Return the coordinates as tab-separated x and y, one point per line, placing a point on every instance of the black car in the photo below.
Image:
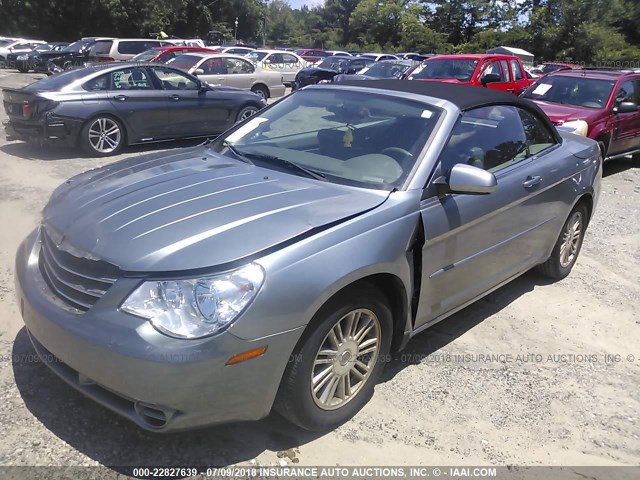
385	69
104	107
75	55
328	68
37	58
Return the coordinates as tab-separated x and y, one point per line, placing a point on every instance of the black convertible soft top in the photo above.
464	97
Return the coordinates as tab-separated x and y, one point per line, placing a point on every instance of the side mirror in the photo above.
198	71
489	78
467	179
266	61
626	107
204	87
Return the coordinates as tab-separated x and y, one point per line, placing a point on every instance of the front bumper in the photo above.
119	360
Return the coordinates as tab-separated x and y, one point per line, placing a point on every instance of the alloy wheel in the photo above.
248	112
105	135
345	359
571	239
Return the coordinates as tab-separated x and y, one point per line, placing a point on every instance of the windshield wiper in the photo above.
296	166
239	155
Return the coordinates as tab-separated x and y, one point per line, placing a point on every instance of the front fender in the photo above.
302	277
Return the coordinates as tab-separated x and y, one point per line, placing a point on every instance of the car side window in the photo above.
491	138
214	66
289	59
275	58
515	70
627	92
235	66
98	84
494	67
131	79
174	80
538	135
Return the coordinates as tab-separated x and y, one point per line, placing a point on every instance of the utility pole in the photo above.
235	33
264	25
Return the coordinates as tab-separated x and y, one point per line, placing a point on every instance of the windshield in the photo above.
386	70
184	62
352	138
579	91
333	63
256	56
146	56
460	69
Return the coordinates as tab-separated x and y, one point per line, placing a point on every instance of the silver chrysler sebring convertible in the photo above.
280	265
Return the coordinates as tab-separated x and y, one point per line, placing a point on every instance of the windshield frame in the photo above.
424	153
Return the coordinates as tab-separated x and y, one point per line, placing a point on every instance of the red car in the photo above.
599	104
500	72
164	54
312	55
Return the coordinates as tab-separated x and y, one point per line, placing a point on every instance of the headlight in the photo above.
324	81
198	307
579	127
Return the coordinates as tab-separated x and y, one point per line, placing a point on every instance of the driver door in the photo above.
193	112
474	243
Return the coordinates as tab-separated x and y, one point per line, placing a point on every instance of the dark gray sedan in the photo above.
102	108
281	264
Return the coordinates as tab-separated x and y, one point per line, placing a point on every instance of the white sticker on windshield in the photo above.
427	114
542	89
248	127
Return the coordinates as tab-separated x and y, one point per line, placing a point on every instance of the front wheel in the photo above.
102	136
334	369
245	113
567	247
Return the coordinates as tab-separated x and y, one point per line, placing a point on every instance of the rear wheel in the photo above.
102	136
567	247
245	113
3	63
636	159
260	91
336	365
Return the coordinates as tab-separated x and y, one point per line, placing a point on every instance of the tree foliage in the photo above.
579	30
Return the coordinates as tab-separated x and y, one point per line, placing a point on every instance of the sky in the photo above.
309	3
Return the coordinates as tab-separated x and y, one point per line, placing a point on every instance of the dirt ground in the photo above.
535	374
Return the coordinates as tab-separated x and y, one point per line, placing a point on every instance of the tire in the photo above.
261	91
246	112
603	149
97	129
636	160
562	261
331	404
3	63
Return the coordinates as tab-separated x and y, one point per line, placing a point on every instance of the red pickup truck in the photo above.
500	72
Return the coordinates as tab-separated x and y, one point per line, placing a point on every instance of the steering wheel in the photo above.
398	154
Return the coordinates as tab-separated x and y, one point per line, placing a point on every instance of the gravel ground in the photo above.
561	386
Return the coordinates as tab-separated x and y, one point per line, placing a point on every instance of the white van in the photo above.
122	49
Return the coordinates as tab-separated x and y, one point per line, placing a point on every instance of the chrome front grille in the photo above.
79	282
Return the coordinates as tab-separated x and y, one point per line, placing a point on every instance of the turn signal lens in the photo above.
248	355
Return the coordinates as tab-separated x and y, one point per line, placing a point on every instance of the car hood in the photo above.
558	113
191	210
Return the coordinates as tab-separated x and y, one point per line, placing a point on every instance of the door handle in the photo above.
511	90
532	181
175	97
120	98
